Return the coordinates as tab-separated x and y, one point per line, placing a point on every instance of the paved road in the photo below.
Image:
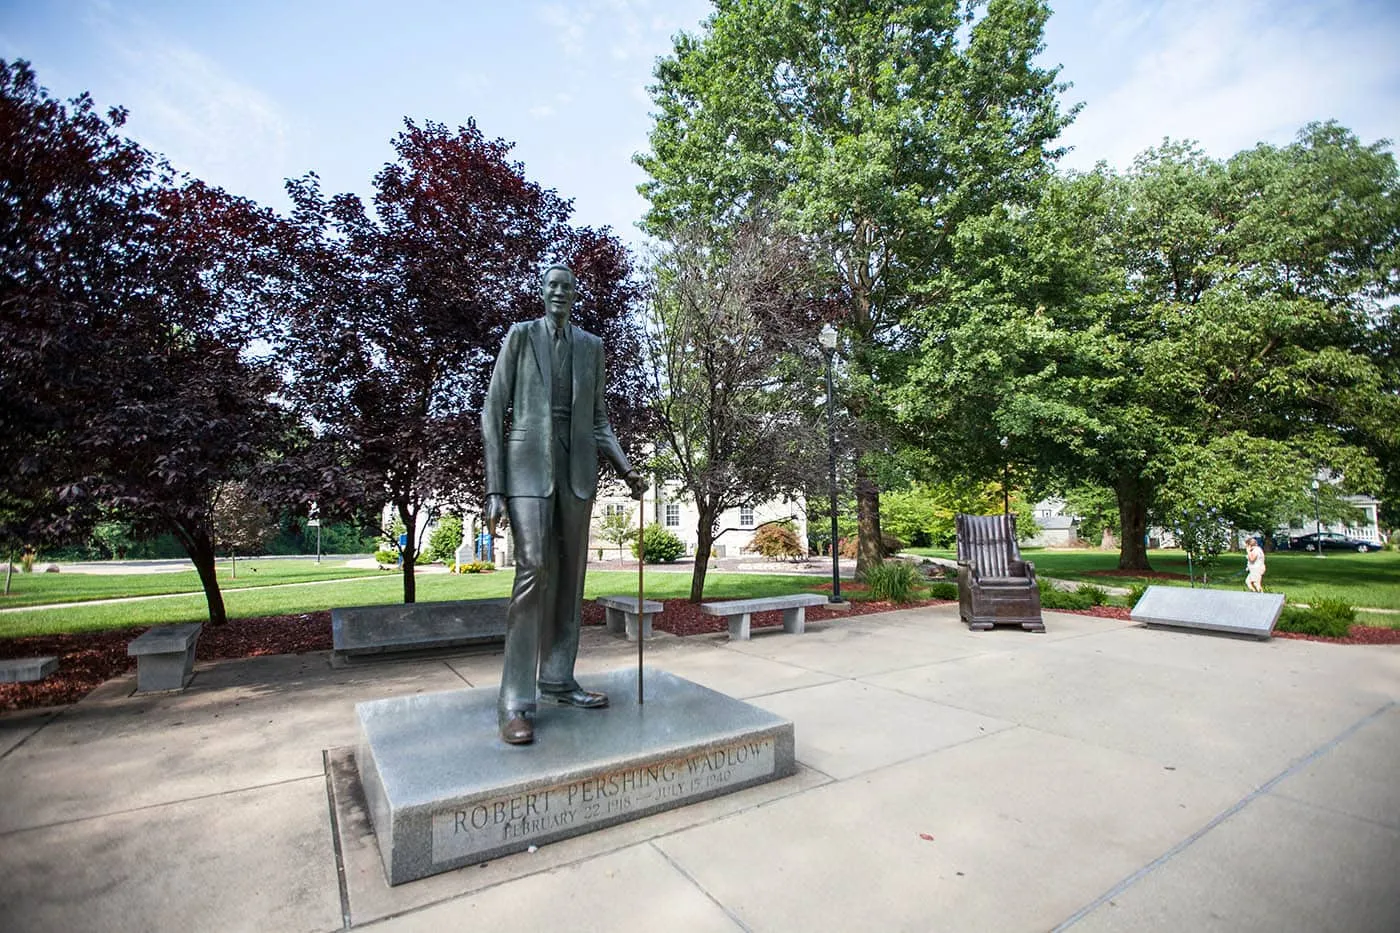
1099	777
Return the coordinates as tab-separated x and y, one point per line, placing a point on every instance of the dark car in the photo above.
1332	541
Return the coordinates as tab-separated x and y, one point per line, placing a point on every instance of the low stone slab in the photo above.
1210	610
740	611
622	615
26	670
444	791
360	632
165	656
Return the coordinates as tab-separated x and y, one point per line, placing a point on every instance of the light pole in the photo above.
827	337
315	519
1005	477
1317	519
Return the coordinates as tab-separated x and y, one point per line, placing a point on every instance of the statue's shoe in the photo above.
518	730
579	697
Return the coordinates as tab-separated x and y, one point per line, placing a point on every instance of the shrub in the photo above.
26	561
662	547
1051	598
1330	618
893	580
943	589
386	558
776	539
1135	594
443	542
1097	595
476	566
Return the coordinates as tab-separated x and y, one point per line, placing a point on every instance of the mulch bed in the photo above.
89	659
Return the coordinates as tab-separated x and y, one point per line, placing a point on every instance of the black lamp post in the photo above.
1005	477
827	337
1317	519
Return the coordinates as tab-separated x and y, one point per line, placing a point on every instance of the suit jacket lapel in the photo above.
539	339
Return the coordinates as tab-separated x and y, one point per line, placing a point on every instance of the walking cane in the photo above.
641	594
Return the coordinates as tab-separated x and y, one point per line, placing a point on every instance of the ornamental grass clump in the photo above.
894	581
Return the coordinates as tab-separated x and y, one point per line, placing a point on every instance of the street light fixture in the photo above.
827	338
1317	518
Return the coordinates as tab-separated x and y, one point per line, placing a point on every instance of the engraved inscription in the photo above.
488	824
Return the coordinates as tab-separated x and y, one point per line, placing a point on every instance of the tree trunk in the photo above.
410	554
1132	523
704	543
233	555
9	568
870	549
200	547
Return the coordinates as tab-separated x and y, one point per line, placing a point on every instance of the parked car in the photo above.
1332	541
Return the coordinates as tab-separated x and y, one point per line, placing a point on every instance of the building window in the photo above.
673	515
614	508
746	516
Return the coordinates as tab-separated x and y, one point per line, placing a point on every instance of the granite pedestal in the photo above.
363	632
444	791
1210	610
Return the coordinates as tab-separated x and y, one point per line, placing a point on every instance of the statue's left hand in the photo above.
637	483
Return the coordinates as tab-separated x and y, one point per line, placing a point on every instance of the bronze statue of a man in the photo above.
542	476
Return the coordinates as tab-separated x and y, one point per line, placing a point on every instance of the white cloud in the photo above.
182	103
1229	75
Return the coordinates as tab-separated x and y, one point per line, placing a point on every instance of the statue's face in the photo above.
558	292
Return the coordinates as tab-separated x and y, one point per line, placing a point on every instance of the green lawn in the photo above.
38	589
1363	580
381	589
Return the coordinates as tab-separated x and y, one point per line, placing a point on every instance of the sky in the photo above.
246	94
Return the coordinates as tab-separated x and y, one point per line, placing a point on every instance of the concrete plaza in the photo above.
1102	776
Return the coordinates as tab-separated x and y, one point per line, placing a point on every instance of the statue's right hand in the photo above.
496	512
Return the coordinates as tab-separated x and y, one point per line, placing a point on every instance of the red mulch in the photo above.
89	659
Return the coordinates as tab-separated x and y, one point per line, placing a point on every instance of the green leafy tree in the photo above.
241	521
1191	322
731	308
443	542
873	130
617	528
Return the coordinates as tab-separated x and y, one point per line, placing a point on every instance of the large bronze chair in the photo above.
995	586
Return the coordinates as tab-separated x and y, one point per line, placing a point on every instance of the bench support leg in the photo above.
170	671
795	620
632	625
739	627
615	622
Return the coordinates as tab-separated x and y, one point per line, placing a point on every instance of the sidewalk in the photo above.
1102	776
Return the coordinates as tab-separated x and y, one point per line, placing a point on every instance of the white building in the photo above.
1057	529
672	508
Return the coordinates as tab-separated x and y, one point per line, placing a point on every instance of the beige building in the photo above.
672	508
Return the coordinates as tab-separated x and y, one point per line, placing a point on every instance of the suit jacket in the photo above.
521	463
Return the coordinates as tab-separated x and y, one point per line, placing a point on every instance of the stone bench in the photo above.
26	670
622	615
165	656
739	612
1233	613
360	633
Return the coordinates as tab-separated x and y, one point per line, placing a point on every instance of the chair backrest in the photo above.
989	542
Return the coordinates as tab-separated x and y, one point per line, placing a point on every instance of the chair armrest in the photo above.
969	568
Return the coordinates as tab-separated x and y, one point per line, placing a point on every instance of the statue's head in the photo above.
558	290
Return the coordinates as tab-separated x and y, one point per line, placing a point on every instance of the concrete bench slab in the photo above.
1210	610
26	670
367	632
165	656
622	615
739	612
